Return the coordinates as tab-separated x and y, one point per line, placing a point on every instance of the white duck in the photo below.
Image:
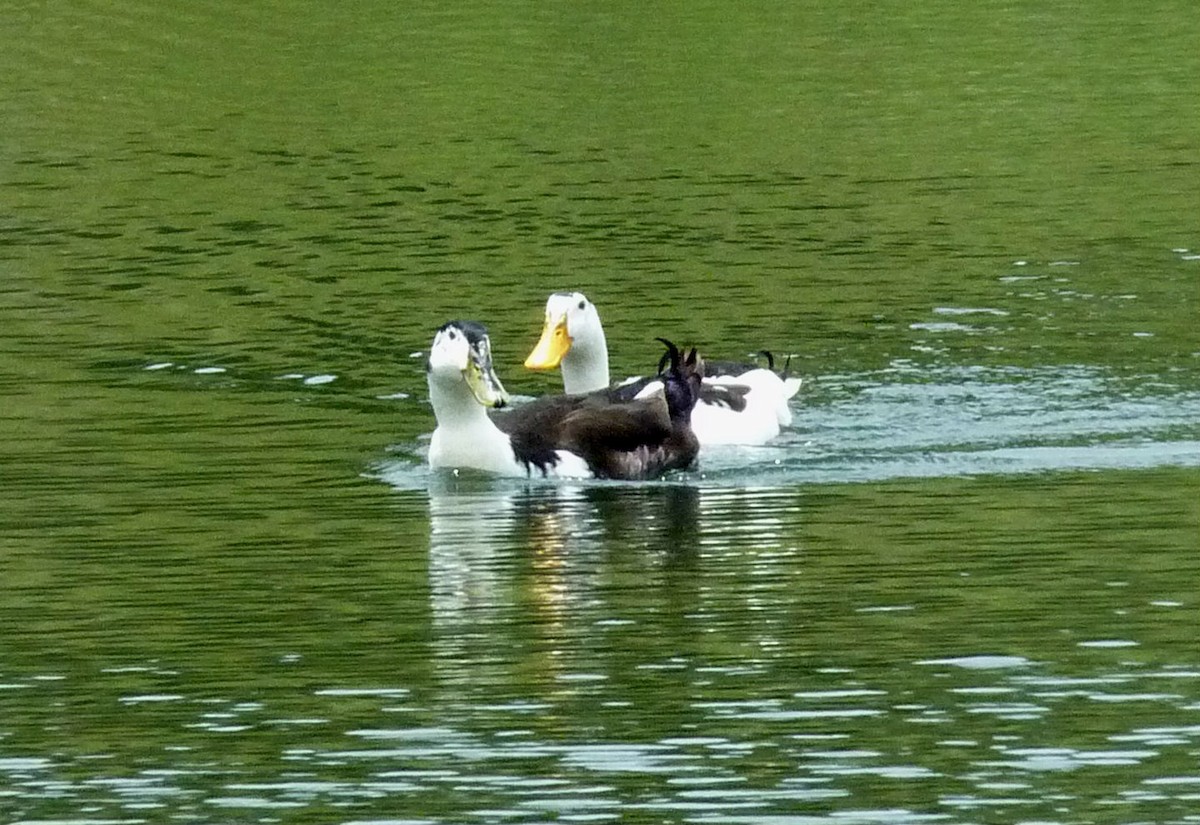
598	435
745	405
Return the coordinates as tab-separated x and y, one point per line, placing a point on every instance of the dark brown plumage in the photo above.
617	436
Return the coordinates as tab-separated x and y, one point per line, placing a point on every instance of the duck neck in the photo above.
585	366
455	407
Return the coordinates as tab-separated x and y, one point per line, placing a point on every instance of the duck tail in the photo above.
791	386
672	355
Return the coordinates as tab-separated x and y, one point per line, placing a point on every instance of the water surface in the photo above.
959	589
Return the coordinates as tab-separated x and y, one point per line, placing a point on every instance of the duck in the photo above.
601	434
739	404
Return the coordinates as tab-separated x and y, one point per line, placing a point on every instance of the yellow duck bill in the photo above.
553	345
485	384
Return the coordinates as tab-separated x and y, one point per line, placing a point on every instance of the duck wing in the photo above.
677	452
736	369
609	435
533	429
638	440
603	426
630	389
729	396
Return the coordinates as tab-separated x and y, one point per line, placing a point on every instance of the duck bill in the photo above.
550	349
485	384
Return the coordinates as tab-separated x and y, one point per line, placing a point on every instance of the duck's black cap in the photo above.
474	330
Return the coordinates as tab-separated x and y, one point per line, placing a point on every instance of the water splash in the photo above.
905	422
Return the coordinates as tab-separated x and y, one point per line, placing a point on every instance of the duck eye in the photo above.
582	304
453	335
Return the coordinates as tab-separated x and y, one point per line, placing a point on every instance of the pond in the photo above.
960	587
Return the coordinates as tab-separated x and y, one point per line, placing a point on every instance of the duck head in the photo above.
681	378
462	353
572	327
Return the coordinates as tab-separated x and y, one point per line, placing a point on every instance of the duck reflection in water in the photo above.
483	537
515	572
529	576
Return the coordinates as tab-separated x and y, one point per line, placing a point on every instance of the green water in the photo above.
961	588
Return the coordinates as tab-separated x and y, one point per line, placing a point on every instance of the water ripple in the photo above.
946	423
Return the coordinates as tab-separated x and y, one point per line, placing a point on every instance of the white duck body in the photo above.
767	390
758	423
468	439
573	340
461	389
600	435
